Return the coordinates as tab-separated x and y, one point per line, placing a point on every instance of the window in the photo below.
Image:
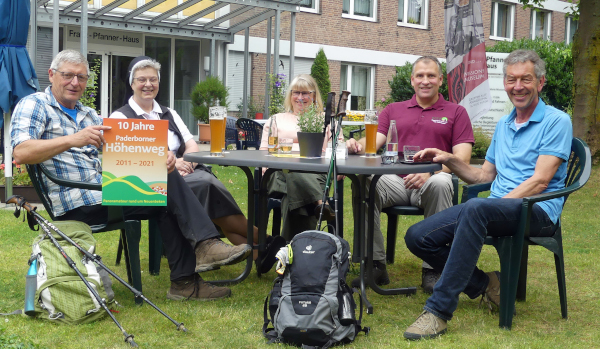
413	13
571	26
540	24
187	75
359	81
503	16
309	6
359	9
160	48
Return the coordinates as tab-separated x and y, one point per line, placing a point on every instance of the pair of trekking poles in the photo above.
47	227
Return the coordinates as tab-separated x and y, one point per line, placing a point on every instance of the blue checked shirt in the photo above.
39	116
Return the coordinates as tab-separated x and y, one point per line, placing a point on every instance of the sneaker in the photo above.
213	253
491	296
426	326
380	275
196	289
429	277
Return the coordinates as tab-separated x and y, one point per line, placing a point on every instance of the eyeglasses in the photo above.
153	80
69	76
303	93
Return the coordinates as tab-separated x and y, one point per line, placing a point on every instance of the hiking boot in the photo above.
196	289
426	326
380	275
328	213
491	296
428	279
213	253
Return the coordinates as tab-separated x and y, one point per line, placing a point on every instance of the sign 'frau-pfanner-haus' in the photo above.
134	171
107	37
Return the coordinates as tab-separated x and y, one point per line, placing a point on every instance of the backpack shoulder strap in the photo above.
269	333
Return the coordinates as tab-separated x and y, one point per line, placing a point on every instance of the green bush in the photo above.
482	143
320	72
208	93
401	88
558	90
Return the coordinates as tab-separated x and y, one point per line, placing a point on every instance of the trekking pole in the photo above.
102	302
19	201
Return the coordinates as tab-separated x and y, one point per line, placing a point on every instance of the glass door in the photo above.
119	88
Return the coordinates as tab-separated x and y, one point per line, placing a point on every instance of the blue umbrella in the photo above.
17	75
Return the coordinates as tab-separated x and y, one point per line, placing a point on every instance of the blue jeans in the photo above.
451	241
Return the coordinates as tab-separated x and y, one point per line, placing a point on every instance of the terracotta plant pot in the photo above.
204	132
258	116
311	144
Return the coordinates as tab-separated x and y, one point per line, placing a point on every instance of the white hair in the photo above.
69	56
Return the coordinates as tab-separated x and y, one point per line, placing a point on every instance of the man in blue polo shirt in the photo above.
528	155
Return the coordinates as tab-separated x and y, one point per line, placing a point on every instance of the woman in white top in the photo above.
301	193
212	194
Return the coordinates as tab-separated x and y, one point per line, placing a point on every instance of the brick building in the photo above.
365	39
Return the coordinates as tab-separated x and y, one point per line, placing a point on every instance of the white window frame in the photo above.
315	9
425	16
495	35
568	33
371	100
351	14
547	23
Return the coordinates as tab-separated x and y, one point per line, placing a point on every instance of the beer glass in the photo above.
216	116
371	130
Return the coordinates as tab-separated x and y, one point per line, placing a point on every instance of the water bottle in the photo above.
30	288
273	139
347	306
390	155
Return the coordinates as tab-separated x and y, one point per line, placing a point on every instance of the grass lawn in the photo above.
236	322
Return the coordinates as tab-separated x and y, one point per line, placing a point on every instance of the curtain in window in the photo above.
503	21
346	6
538	26
306	3
401	11
414	11
360	88
362	8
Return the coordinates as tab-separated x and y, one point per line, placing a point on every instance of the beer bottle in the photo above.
273	135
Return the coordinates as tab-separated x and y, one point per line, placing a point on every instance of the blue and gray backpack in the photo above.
311	305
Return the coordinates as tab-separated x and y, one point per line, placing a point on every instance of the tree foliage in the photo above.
558	90
320	72
208	93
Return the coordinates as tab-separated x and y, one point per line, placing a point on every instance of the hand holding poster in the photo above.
134	163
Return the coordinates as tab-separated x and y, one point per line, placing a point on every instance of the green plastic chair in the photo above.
513	250
394	211
130	229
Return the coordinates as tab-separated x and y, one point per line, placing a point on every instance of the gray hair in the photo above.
427	59
69	56
524	56
143	64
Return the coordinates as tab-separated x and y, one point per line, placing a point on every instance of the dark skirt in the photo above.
212	194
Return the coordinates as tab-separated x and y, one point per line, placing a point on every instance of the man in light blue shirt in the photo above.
528	155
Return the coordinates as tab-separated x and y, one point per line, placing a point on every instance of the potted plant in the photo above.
21	183
208	93
310	135
256	106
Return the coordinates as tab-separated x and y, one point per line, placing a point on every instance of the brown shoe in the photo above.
212	253
426	326
196	289
491	296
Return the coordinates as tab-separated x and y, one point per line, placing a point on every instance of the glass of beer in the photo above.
216	117
285	145
371	130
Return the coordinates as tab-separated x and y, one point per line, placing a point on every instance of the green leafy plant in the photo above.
256	104
208	93
311	119
20	175
558	89
482	143
320	72
91	90
277	87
